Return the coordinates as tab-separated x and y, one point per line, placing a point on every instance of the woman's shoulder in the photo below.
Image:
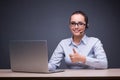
66	40
92	39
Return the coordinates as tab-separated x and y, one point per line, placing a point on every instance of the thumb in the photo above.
74	51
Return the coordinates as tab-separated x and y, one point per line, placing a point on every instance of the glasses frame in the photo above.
79	24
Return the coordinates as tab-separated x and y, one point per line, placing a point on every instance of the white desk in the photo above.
71	74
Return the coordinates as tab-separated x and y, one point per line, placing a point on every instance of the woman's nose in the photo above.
76	26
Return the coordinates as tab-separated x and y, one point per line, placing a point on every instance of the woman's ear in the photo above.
87	25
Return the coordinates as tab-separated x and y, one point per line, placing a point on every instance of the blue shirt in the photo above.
90	47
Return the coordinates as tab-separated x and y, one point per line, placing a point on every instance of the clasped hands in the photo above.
75	57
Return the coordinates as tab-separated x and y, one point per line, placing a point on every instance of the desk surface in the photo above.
66	73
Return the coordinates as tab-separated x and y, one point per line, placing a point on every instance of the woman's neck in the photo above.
77	39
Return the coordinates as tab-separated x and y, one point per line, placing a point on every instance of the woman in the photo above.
79	51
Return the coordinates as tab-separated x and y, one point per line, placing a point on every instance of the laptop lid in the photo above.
29	55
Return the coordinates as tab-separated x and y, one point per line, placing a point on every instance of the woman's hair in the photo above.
82	13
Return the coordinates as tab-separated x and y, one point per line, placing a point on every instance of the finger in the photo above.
74	50
70	55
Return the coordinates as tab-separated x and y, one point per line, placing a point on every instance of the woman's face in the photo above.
77	25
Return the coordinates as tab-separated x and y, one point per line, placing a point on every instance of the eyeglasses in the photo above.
79	24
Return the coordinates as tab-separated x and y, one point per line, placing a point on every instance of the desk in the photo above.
67	74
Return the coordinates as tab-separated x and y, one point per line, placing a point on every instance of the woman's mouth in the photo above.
76	31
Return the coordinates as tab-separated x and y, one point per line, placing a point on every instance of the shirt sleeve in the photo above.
100	59
56	57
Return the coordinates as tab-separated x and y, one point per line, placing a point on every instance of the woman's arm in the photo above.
56	58
100	59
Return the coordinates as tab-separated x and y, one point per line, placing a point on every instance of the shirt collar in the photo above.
84	40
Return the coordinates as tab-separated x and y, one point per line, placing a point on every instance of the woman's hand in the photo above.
75	57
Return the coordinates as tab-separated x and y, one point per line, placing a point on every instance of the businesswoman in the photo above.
79	51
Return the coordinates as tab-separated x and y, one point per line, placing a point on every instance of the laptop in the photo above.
30	56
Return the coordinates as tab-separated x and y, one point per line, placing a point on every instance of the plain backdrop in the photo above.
49	20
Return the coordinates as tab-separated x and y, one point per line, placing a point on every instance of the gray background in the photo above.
48	20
